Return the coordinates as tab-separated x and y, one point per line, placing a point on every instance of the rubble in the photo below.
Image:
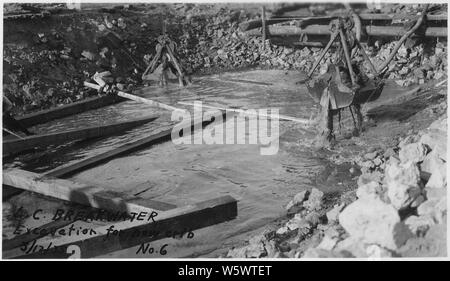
206	44
403	183
372	221
395	215
396	211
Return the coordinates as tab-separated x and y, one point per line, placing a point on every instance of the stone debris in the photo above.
205	44
395	215
397	211
372	221
403	183
371	190
414	152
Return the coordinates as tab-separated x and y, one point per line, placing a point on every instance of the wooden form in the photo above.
17	145
44	116
163	135
389	31
252	24
172	220
179	220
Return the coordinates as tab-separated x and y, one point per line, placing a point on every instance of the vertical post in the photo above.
263	24
164	27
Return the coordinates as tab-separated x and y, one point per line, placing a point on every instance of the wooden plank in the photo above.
72	191
250	112
179	220
44	116
162	136
136	98
388	31
13	146
302	21
245	81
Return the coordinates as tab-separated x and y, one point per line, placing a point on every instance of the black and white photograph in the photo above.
224	131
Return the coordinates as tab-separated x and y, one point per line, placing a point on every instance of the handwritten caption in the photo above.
73	239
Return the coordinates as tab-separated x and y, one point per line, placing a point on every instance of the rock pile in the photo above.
401	204
412	64
306	208
49	70
398	210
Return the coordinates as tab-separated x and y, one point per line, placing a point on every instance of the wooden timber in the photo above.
17	145
44	116
382	31
136	98
255	113
159	137
84	194
132	233
252	24
249	25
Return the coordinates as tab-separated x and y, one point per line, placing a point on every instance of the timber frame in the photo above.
168	220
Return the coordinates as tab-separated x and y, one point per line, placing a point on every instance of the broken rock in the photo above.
372	221
295	204
370	190
333	215
402	182
438	178
419	224
414	152
314	202
431	162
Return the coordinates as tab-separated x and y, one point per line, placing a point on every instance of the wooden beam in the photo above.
17	145
162	136
136	98
303	21
263	23
179	220
250	112
388	31
396	16
252	24
84	194
246	81
44	116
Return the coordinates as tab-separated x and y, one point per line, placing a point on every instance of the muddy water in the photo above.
188	173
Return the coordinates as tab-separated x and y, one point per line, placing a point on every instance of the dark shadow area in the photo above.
403	110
